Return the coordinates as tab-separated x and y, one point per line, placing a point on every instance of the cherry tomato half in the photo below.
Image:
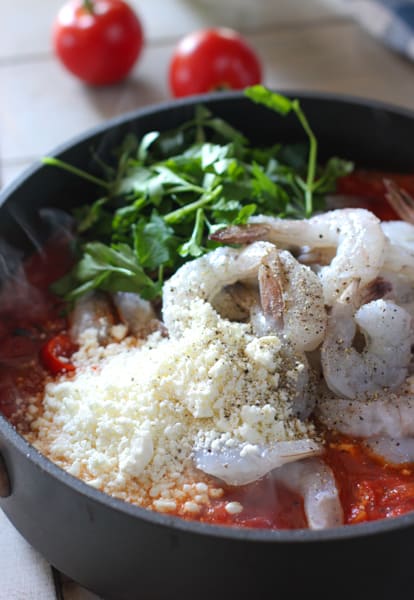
99	41
55	354
213	59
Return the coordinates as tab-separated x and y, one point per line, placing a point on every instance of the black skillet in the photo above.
122	552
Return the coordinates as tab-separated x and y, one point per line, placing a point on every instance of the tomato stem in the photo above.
88	6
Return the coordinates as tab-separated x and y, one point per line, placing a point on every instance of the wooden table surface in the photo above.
303	44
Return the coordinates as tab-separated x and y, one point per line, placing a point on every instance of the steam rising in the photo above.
18	293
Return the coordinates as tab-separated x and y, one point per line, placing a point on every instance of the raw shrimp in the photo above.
98	312
399	255
203	278
93	311
356	235
383	362
388	415
136	313
401	290
399	232
398	266
292	300
395	451
315	481
292	319
291	293
235	302
243	464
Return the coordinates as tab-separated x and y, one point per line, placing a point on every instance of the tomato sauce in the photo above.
369	188
29	316
369	488
267	504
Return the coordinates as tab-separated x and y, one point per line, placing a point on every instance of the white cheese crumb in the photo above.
201	487
233	508
264	351
215	492
191	507
119	331
137	454
165	505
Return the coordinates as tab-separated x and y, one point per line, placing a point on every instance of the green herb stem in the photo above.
283	105
313	151
55	162
177	215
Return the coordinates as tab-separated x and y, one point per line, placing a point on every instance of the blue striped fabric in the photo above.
392	21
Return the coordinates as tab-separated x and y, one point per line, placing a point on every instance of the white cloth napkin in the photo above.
24	575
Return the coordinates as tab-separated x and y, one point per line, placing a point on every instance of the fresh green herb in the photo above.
284	106
170	190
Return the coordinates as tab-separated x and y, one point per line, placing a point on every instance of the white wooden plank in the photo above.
340	58
9	171
28	30
337	58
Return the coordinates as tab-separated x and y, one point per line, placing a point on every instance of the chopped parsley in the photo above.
169	191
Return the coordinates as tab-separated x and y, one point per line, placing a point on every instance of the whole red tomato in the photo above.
99	41
213	59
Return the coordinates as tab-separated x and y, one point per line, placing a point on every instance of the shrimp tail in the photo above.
241	234
271	289
400	201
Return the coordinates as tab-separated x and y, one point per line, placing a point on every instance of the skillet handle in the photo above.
5	487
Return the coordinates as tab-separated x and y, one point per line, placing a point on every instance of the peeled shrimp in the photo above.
401	290
390	415
204	277
92	311
288	461
136	313
383	362
292	300
399	232
291	293
292	317
396	451
315	481
243	464
356	235
235	302
399	256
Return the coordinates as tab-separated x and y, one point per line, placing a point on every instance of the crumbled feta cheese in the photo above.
135	457
265	351
136	411
192	507
233	508
165	505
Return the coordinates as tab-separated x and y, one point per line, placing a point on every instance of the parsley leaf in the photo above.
168	191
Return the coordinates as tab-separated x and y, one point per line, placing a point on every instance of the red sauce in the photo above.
369	488
29	316
266	505
371	191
